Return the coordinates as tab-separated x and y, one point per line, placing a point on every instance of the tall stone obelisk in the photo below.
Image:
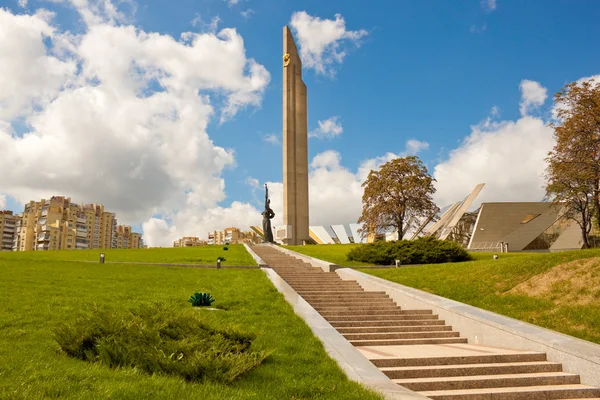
295	144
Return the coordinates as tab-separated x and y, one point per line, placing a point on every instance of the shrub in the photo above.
160	339
221	258
225	248
201	299
424	250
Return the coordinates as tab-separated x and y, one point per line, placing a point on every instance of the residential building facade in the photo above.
59	223
233	235
8	223
189	241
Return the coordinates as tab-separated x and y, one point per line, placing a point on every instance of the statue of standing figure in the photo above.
268	214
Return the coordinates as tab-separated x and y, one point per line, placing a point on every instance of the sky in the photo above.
170	113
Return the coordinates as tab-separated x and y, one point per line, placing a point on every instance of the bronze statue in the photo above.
268	214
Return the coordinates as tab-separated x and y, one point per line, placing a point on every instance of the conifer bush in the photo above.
424	250
160	339
201	299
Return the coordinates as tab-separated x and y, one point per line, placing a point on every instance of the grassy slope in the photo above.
235	255
36	295
335	253
484	283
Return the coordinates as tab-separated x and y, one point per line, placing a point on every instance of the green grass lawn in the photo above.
485	283
334	253
205	255
37	295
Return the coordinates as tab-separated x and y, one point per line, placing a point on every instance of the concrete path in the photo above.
416	349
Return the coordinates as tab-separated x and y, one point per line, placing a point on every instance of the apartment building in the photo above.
233	235
127	239
8	223
189	241
59	223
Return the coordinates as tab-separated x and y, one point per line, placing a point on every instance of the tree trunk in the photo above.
585	238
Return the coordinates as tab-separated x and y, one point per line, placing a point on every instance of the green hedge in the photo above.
425	250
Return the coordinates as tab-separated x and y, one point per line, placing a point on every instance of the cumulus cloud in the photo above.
488	5
533	95
329	128
118	116
2	202
22	3
322	41
273	139
247	14
507	156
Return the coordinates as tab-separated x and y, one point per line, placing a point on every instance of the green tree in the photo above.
573	171
397	196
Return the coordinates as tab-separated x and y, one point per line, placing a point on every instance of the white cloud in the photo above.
2	202
533	95
273	139
232	3
22	3
414	146
495	111
30	76
488	5
252	182
329	128
507	156
128	126
478	29
205	27
247	14
321	41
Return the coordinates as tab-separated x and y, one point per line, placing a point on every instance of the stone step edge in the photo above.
463	393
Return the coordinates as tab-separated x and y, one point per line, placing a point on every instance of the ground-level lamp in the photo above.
101	258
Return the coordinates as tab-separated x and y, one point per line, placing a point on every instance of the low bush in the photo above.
225	248
160	339
425	250
201	299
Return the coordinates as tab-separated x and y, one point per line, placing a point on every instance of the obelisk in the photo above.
295	144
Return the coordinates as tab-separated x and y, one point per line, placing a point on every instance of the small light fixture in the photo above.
219	263
101	258
397	263
495	256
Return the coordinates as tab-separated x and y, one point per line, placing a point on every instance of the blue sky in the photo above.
439	72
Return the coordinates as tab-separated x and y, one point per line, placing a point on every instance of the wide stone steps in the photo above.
455	360
546	392
400	335
382	329
407	342
382	317
372	320
408	322
470	370
488	381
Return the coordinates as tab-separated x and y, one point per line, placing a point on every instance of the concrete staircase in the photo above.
416	349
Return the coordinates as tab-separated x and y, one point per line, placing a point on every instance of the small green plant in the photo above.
225	248
221	259
226	243
201	299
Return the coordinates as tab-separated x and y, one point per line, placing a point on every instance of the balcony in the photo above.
81	245
42	247
43	238
42	221
81	220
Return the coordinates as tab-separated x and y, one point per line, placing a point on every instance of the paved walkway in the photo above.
416	349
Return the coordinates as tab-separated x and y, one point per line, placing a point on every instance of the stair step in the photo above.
488	381
384	317
519	393
400	335
408	322
470	369
409	328
456	360
407	342
386	311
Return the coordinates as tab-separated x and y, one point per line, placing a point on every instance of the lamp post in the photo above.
101	258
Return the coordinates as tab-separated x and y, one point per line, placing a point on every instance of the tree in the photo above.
397	196
573	172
